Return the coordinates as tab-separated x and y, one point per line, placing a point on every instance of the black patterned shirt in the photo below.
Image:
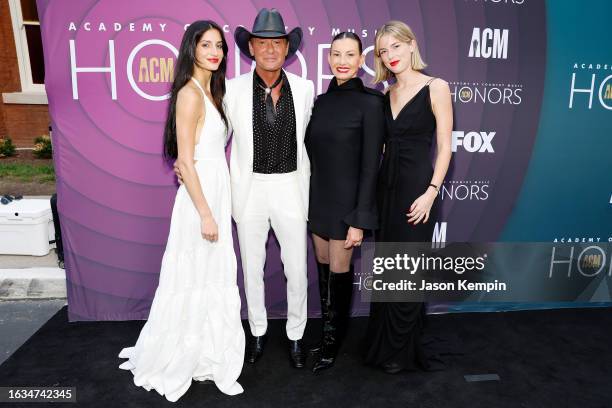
274	146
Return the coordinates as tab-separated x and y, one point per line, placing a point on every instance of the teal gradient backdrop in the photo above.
567	190
568	186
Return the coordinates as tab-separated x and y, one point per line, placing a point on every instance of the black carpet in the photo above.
554	358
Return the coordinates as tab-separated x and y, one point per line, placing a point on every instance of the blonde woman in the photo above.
417	108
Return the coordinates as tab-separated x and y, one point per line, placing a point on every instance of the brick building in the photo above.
24	113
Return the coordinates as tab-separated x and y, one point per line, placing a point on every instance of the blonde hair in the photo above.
403	33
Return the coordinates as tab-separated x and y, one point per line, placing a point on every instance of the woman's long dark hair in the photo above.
183	73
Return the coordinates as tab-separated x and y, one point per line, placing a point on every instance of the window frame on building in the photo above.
31	93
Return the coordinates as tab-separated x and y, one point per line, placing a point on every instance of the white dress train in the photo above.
194	329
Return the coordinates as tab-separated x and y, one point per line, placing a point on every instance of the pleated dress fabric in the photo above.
194	329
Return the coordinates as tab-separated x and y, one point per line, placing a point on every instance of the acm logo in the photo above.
489	43
438	240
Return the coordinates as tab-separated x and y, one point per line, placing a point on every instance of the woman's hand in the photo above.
177	171
354	236
420	208
209	229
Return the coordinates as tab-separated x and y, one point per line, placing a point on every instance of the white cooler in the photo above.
26	227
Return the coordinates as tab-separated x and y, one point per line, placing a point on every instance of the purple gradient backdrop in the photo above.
115	193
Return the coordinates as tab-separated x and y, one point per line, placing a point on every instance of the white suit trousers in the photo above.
274	200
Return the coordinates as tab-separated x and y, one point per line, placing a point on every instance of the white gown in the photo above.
194	328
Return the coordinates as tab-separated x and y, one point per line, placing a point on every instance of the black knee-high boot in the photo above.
340	295
323	271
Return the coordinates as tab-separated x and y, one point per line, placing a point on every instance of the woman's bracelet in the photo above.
436	187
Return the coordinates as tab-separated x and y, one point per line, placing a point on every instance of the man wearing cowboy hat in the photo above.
269	110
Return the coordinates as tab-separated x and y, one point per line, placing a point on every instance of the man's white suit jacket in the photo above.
239	110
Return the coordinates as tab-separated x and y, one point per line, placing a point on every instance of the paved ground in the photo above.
22	261
20	319
31	277
32	290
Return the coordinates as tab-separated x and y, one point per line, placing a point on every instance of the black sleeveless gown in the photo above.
395	329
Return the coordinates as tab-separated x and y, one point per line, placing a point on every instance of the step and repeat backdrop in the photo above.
531	83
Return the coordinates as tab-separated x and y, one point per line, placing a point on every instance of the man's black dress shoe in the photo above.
296	354
255	348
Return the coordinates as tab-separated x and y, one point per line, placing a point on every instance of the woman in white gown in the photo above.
194	329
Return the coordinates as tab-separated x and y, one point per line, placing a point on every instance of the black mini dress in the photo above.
344	142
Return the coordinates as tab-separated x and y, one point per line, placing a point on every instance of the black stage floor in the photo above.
552	358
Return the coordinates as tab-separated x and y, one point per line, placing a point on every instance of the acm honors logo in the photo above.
591	85
489	43
486	93
588	261
153	68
